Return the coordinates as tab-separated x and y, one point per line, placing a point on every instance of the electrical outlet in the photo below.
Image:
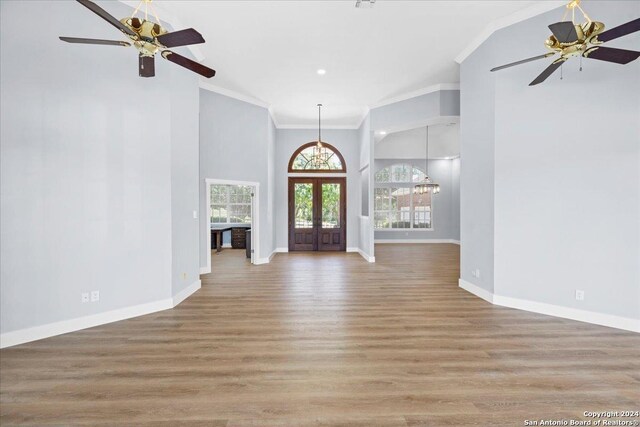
477	272
195	214
95	296
84	297
579	295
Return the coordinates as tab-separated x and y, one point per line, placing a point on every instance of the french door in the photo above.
317	214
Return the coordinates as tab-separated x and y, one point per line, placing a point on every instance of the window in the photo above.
310	158
230	204
395	205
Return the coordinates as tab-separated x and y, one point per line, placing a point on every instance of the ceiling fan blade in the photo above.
534	58
187	63
106	16
619	31
146	66
610	54
564	31
548	71
94	41
181	38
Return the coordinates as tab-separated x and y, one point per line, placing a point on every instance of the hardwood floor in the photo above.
325	340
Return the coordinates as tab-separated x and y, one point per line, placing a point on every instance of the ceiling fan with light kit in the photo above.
581	40
149	38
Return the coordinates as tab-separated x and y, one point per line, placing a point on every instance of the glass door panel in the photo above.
303	205
331	205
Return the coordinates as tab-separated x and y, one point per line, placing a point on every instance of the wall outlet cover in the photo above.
84	297
95	296
579	295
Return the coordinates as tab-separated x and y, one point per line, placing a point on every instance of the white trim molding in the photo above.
255	218
602	319
476	290
281	250
235	95
416	241
366	256
522	15
416	93
21	336
186	292
267	260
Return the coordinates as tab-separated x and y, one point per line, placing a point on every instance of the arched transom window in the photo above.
310	158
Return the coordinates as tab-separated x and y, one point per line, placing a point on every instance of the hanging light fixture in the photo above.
426	185
319	155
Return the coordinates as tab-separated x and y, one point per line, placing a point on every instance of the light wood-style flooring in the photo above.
325	339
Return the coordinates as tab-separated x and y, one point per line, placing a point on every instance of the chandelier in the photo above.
319	155
426	185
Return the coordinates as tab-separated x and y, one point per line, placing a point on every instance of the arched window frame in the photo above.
311	144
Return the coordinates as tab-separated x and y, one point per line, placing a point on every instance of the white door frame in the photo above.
255	203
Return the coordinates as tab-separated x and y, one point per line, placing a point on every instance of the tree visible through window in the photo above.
230	204
395	204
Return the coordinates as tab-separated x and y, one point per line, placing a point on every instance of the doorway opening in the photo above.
317	214
232	219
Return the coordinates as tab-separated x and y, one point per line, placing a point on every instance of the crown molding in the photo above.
315	127
172	20
233	94
522	15
416	93
365	112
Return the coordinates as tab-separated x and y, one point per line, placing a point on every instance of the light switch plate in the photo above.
95	296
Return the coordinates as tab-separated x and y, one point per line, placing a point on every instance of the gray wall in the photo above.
415	112
185	239
566	162
445	206
234	145
477	165
88	180
287	141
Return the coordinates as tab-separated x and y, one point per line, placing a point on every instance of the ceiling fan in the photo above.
583	40
149	38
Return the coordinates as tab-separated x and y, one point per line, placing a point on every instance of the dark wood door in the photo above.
317	214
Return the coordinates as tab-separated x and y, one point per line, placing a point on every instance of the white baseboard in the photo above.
412	241
602	319
205	270
186	292
282	250
476	290
353	249
21	336
366	256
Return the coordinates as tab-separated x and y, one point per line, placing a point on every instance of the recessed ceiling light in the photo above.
321	72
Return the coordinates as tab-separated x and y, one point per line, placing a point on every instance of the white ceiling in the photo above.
444	143
270	50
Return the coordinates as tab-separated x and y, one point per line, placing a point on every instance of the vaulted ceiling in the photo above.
270	51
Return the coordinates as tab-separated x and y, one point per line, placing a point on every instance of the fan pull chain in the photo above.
561	67
580	62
